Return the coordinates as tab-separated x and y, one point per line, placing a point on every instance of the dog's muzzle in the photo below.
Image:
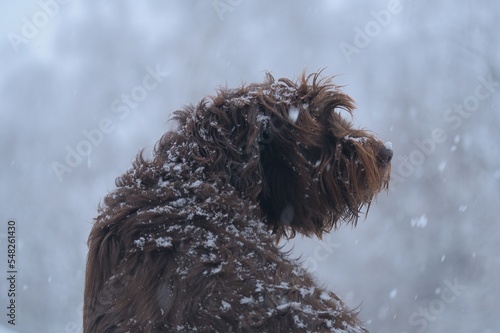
385	154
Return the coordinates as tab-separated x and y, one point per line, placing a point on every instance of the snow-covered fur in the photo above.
187	241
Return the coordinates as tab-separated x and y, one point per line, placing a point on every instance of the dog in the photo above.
188	241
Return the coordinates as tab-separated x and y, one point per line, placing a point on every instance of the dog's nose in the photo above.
385	155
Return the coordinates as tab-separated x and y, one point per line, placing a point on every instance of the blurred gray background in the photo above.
76	105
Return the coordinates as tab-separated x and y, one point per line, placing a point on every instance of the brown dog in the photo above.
187	242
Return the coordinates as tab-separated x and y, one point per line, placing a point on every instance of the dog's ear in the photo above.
285	176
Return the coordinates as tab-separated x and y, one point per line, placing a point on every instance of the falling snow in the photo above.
293	114
419	222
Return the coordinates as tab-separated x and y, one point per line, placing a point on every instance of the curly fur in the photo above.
187	241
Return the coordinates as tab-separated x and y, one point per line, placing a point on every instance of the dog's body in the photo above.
187	243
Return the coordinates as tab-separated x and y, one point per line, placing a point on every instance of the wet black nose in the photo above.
385	155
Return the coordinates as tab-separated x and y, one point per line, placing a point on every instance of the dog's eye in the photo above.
348	149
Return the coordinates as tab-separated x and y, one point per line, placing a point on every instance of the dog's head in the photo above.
287	146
